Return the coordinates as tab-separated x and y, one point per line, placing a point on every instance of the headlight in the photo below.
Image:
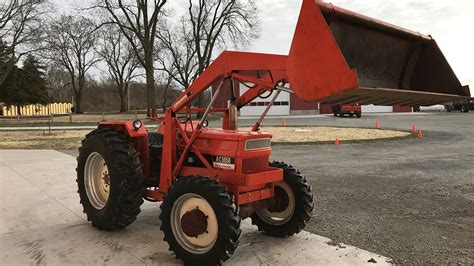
137	124
257	144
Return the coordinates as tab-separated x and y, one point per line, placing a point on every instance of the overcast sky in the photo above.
449	22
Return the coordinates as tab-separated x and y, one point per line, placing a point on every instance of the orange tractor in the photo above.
208	179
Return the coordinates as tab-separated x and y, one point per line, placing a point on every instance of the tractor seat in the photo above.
155	141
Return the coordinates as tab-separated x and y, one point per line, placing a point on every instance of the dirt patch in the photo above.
71	139
329	134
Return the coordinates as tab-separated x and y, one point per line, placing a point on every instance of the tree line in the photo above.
142	44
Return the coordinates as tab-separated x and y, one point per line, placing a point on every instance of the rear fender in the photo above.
139	138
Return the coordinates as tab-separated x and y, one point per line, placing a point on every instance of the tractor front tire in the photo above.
109	179
200	222
293	205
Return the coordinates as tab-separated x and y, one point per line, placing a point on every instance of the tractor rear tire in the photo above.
274	221
109	179
358	115
200	221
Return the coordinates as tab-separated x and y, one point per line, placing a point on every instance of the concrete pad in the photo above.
42	222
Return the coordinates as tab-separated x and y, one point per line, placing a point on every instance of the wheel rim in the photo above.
284	206
194	223
97	180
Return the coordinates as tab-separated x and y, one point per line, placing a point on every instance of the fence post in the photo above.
50	122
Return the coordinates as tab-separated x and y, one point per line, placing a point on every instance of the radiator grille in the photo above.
254	165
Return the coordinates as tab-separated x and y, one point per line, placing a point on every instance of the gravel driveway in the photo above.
411	200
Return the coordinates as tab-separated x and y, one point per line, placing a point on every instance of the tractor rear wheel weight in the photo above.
303	205
200	221
120	175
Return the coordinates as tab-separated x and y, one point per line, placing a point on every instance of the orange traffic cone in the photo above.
413	128
336	142
420	134
283	122
376	123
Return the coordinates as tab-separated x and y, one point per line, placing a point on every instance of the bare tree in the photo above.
20	31
167	84
177	52
58	82
208	27
138	22
70	42
120	58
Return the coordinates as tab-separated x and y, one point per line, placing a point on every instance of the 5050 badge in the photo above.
223	162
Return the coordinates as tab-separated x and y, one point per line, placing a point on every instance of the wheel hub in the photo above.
283	208
97	180
281	200
194	223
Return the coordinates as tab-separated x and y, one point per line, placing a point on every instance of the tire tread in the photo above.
128	167
303	209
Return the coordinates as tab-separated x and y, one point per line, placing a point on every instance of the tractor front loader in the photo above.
208	179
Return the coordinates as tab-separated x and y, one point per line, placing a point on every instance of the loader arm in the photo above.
224	66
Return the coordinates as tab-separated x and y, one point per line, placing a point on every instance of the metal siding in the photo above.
297	104
258	110
325	109
401	109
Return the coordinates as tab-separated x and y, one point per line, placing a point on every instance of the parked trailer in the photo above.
208	179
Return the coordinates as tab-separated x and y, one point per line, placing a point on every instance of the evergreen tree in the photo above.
34	81
25	85
5	57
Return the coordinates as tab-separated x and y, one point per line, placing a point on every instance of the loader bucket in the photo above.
338	56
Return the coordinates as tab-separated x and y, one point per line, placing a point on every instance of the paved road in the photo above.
411	200
275	120
10	128
41	222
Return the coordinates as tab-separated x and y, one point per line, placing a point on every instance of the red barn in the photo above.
287	104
